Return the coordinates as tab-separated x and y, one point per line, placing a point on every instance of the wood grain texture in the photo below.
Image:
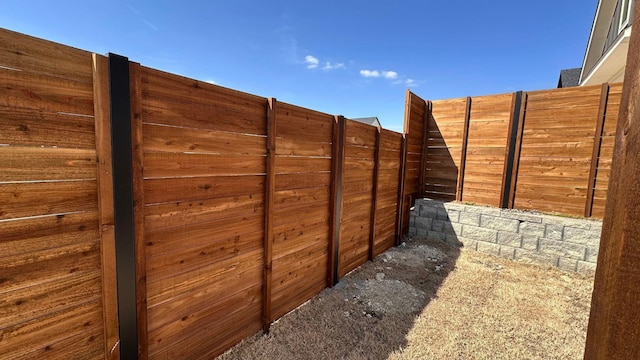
34	163
102	106
138	188
200	188
414	136
486	148
304	124
302	204
544	159
597	146
76	332
374	197
186	140
269	205
19	200
445	139
23	89
607	142
613	331
335	205
51	287
172	165
178	101
26	53
32	127
296	181
357	211
463	150
296	147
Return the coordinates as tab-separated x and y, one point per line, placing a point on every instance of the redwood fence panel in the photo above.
546	150
204	179
413	176
444	148
389	160
55	243
486	149
357	195
556	147
302	206
226	210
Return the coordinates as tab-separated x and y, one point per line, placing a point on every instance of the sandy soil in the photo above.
429	300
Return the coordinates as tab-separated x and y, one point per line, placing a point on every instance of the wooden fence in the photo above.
149	215
57	288
544	150
214	211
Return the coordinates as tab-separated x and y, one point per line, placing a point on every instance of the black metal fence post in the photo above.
123	204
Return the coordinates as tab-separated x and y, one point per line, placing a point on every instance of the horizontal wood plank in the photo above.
27	53
296	147
297	164
200	188
177	139
76	332
22	89
182	213
45	198
34	163
295	181
165	165
31	127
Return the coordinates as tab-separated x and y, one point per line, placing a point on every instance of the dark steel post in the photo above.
123	204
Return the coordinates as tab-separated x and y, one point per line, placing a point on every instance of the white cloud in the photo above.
211	82
370	73
311	61
410	82
330	66
377	73
390	74
393	76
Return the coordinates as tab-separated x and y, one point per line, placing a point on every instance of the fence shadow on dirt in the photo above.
370	312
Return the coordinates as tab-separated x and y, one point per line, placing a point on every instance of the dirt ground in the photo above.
429	300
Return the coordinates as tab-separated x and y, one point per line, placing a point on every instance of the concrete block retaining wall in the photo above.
567	243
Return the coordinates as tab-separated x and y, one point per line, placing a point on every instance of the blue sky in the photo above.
354	58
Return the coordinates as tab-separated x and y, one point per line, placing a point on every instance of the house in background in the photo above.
569	78
606	54
369	121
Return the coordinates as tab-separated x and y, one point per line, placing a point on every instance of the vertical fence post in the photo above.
405	205
137	152
105	199
374	194
401	180
337	166
425	146
517	148
463	150
613	331
597	145
123	199
510	149
270	190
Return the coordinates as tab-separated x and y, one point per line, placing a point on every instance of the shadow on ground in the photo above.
367	315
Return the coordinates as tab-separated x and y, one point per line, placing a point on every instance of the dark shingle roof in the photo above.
368	120
569	77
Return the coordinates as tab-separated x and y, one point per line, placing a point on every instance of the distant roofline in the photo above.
373	120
